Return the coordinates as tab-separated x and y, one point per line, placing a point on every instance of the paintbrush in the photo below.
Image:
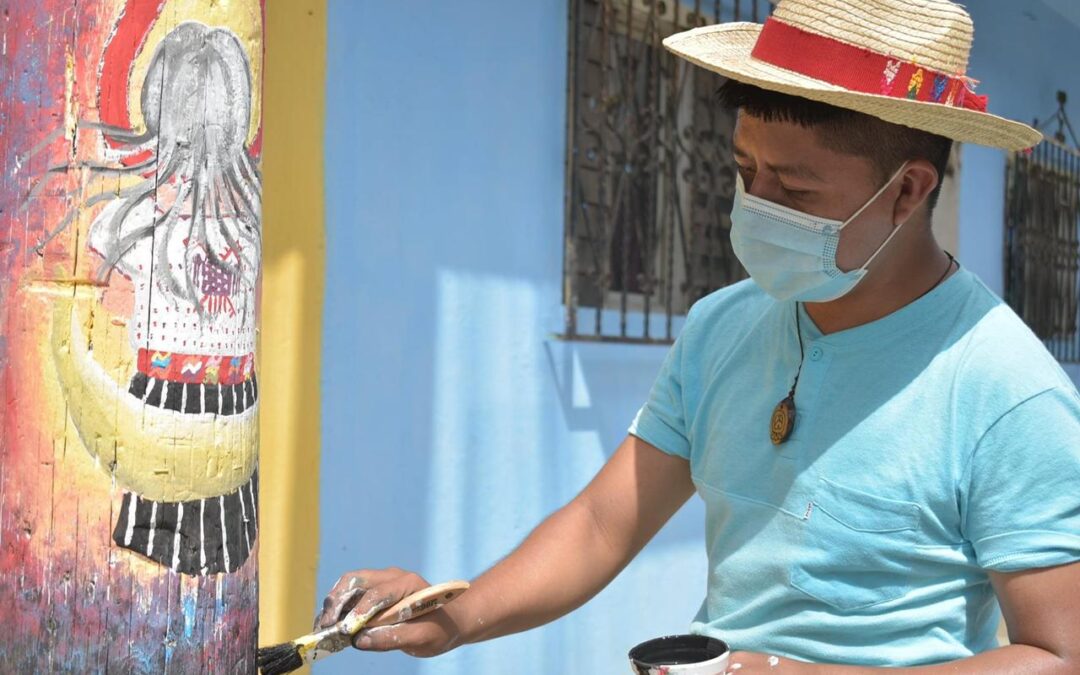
288	656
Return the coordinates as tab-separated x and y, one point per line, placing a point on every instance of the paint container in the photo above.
680	655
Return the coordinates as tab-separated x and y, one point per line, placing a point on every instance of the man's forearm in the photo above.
565	561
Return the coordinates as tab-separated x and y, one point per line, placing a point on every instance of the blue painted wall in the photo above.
1024	53
452	423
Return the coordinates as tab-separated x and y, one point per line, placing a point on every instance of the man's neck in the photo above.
890	284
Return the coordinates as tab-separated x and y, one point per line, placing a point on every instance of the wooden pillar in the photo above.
130	258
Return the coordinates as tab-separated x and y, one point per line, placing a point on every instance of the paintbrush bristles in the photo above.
280	659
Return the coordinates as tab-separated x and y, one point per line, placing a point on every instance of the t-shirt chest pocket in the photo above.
857	547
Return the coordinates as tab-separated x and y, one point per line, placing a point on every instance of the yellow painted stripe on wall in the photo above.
294	245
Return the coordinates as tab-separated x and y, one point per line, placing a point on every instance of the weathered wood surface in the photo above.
130	245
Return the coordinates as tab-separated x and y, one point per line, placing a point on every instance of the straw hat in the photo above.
903	61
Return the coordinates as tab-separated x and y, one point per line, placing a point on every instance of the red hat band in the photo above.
861	70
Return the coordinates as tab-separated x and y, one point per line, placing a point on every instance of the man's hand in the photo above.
370	591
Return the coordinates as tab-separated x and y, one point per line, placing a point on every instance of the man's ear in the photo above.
916	184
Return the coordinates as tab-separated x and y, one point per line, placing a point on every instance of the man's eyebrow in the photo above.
794	170
797	171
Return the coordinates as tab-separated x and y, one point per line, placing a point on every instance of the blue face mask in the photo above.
791	254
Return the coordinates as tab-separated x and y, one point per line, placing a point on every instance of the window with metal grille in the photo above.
1042	248
650	175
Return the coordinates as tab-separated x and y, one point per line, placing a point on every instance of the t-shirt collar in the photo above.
904	322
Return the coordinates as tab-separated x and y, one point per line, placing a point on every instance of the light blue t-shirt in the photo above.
930	446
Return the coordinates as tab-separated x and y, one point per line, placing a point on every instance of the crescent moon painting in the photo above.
130	263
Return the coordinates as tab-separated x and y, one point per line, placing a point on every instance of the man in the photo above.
885	451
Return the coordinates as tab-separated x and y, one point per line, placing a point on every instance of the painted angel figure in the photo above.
187	234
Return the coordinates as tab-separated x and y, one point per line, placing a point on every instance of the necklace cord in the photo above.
798	331
938	283
798	325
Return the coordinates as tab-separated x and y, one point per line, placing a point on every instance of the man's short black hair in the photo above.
884	144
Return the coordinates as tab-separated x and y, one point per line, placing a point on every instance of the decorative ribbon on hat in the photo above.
862	70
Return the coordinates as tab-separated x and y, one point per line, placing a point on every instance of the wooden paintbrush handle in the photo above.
419	603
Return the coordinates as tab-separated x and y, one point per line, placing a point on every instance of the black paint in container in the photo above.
678	650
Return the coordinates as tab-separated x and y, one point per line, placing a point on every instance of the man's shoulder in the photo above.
1000	351
741	299
724	316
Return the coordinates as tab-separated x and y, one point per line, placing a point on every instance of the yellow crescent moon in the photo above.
156	452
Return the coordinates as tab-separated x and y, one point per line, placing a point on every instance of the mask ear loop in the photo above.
883	245
866	205
874	198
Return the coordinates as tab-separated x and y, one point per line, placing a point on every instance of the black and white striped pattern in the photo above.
202	536
195	398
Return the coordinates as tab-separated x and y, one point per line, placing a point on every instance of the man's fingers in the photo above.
414	639
382	638
336	605
346	587
347	590
348	594
424	637
383	595
333	598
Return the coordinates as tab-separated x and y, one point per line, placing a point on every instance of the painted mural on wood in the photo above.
130	241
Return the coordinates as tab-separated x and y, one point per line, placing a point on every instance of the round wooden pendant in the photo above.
783	420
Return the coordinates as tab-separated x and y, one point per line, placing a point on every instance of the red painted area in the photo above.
116	66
